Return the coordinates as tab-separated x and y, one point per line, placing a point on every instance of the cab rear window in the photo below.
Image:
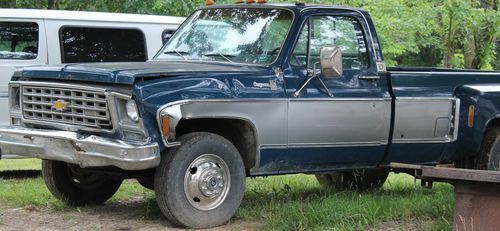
18	40
83	44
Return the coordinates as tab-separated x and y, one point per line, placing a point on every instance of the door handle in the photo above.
371	77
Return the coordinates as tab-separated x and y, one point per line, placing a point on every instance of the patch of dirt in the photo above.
405	224
112	216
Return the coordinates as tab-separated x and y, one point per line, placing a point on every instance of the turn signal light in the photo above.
165	125
470	121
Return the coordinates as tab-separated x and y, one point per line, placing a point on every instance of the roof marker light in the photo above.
250	1
261	1
209	2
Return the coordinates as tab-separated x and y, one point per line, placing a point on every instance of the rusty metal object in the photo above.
476	206
477	194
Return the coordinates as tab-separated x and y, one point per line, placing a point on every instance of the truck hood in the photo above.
128	73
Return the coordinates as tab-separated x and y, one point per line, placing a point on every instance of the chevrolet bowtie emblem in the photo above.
60	105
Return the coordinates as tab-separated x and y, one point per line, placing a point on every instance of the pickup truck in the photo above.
248	90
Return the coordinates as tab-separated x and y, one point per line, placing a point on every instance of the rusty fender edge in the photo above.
73	148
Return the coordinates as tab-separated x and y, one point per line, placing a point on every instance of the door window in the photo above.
340	31
81	44
18	40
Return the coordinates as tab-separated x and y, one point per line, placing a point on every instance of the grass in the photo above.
20	164
292	202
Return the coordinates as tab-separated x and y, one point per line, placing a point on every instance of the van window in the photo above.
82	44
18	40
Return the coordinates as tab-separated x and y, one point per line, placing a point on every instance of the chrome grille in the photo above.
80	107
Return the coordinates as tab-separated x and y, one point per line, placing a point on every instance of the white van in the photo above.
38	37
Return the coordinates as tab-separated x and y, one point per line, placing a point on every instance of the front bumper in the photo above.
71	147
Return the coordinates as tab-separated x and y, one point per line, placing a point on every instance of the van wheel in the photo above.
75	187
359	180
201	183
489	155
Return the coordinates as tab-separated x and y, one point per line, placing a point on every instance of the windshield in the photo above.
242	35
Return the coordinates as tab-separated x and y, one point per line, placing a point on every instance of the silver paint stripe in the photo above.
335	144
340	99
418	141
172	142
450	137
272	100
332	145
424	98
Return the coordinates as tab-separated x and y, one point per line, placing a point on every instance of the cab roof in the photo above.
294	7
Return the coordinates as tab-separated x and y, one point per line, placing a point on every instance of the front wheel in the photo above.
201	183
76	187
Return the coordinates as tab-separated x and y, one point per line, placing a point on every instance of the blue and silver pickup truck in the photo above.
248	90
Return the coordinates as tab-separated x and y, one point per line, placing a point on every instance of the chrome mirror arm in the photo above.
325	87
312	74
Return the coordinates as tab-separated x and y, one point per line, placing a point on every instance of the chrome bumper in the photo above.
71	147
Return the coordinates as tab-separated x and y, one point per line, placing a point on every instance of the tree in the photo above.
7	4
52	4
439	33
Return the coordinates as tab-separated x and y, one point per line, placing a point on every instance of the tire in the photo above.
359	180
489	155
76	188
202	157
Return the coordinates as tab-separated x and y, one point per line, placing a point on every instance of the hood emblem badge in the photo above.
60	105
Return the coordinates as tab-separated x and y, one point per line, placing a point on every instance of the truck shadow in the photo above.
147	210
20	174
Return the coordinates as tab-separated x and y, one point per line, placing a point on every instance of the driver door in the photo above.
350	129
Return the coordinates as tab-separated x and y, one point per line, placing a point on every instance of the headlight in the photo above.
132	112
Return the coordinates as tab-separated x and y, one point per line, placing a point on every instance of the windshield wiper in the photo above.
179	53
225	56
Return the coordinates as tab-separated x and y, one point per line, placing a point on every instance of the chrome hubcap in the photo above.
207	182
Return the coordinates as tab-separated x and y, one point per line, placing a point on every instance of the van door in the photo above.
22	43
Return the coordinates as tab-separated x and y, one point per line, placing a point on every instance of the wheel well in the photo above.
239	132
469	160
492	124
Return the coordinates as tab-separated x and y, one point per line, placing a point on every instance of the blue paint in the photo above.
425	153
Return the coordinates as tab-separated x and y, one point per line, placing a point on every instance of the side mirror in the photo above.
330	59
166	35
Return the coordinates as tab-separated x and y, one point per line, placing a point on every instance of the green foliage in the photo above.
440	33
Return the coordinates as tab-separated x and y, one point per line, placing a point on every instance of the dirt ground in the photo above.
406	224
112	216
